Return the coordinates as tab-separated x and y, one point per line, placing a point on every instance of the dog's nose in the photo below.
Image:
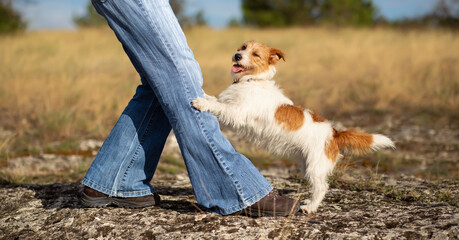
237	57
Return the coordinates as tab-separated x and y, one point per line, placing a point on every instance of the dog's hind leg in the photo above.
317	173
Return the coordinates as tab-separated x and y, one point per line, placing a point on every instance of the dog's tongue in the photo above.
237	68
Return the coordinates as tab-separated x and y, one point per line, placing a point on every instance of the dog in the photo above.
256	107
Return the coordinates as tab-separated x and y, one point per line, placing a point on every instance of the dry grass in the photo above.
58	86
62	85
348	70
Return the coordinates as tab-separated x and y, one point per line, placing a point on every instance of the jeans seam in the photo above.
129	166
118	183
142	72
145	132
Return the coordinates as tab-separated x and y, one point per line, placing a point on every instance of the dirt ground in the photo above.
404	208
410	193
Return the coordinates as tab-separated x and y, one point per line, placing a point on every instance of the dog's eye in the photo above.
255	54
243	47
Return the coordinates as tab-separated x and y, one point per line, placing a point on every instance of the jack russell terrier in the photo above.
256	107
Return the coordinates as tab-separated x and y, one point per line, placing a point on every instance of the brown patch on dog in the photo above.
332	150
259	54
316	117
290	117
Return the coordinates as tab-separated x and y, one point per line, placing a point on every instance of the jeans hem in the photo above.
138	193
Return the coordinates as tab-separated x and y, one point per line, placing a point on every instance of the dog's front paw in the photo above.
201	104
309	207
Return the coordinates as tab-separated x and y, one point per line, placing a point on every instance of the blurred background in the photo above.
61	14
388	66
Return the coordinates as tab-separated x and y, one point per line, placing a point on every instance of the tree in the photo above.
93	19
444	14
10	19
90	19
234	22
199	19
178	6
348	12
265	13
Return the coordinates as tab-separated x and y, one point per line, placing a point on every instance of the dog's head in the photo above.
255	61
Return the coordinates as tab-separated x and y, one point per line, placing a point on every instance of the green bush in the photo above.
90	19
10	19
279	13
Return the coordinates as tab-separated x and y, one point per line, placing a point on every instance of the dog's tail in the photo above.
360	142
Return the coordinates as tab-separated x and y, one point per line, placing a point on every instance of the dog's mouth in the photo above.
237	68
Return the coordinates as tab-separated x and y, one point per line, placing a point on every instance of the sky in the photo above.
58	14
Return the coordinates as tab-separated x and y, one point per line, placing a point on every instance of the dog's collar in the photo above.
236	81
243	79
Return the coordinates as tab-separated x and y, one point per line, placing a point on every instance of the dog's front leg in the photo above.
206	104
210	98
227	114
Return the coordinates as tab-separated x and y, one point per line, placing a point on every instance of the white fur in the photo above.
381	141
249	107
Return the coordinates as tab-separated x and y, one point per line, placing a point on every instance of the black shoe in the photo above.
273	205
93	198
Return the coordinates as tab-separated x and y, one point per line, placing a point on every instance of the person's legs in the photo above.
223	180
128	158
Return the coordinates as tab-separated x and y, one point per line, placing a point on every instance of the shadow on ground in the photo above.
66	195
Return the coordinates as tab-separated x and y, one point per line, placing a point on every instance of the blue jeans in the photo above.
223	180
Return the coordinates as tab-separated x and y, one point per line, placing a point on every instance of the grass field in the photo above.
59	87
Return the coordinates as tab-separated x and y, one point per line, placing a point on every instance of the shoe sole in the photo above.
98	202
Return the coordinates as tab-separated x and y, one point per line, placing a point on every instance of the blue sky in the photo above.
57	14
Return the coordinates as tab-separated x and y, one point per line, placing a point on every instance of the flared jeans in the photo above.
223	180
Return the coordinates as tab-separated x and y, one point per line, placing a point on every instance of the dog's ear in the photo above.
276	55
